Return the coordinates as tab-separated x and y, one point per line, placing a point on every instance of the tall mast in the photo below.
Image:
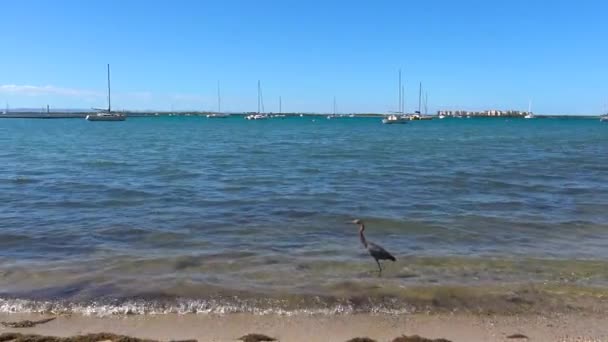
529	106
258	96
400	110
262	100
47	109
403	99
109	99
334	105
280	106
419	97
219	99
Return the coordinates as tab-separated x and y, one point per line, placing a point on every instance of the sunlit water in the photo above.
236	215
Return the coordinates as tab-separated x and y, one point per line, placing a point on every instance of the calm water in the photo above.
231	215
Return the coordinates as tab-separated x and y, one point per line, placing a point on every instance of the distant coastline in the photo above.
83	114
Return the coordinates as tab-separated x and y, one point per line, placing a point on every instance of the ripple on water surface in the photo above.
195	215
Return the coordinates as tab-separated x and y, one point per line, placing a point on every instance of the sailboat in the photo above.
107	116
258	115
418	114
280	115
529	115
334	115
394	118
219	113
426	108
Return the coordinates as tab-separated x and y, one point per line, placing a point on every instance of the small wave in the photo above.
21	180
106	163
523	298
7	239
188	306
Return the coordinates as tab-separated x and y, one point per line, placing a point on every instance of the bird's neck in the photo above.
363	240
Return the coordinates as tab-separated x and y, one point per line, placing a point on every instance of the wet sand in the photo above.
305	328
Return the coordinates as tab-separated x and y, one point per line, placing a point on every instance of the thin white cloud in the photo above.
31	90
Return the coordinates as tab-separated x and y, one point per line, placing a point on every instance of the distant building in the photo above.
486	113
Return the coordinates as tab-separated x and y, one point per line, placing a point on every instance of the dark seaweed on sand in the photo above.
416	338
17	337
403	338
26	323
518	336
256	338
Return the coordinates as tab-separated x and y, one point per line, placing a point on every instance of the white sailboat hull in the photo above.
106	117
256	117
393	119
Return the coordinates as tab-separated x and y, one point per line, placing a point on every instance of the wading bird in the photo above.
377	252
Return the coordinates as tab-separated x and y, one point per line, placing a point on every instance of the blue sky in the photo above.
468	54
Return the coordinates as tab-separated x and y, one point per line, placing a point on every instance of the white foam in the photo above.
181	306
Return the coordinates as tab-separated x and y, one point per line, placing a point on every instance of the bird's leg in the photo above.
379	267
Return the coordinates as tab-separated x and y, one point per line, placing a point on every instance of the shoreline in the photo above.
300	328
350	298
82	115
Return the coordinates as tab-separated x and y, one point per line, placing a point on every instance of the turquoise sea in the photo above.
189	214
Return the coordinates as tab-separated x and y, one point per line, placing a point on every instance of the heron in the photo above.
377	252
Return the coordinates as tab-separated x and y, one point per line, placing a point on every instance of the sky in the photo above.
170	55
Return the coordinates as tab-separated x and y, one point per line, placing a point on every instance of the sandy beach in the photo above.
305	328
